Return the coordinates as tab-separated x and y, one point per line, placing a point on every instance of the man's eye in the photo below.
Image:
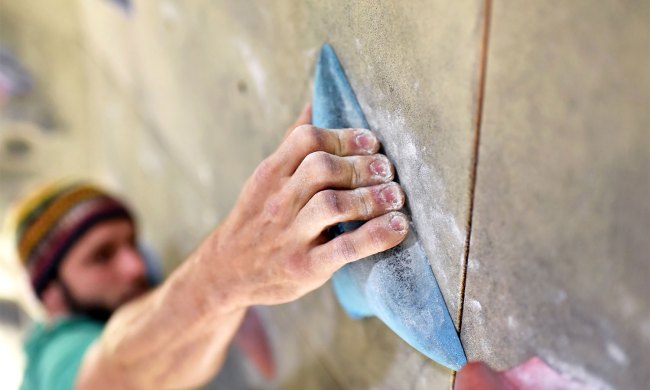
103	255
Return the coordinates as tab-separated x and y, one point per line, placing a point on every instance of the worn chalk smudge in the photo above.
445	238
512	323
617	353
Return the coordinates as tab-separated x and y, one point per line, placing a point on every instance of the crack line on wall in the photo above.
487	14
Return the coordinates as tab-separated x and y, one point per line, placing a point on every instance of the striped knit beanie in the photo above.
49	221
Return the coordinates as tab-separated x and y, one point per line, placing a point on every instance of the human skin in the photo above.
103	269
271	249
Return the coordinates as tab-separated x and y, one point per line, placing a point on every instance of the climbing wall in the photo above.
560	253
519	133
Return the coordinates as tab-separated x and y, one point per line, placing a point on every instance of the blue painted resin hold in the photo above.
397	286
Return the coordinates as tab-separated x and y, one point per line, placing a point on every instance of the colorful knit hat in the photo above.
49	221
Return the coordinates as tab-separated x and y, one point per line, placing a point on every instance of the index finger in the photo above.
307	139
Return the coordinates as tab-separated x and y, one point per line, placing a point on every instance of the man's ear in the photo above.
54	300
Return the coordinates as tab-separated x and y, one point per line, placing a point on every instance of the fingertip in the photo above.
393	196
362	141
398	222
388	231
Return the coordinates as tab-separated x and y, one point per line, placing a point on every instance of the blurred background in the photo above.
520	132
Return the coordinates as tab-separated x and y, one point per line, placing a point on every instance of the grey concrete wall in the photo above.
174	103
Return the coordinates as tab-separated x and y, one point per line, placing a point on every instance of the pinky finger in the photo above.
376	235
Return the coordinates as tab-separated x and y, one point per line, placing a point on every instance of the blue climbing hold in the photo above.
397	286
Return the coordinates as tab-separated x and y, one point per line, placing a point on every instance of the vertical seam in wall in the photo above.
487	14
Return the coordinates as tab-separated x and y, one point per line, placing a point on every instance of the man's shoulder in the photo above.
62	332
55	351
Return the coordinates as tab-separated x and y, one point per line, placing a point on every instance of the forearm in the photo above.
177	335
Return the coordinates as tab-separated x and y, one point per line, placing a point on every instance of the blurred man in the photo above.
107	329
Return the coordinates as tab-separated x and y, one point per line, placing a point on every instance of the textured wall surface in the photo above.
174	103
560	257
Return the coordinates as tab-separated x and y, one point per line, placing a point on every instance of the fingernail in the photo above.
365	140
392	195
398	223
381	167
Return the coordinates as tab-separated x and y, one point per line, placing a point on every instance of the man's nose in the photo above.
130	263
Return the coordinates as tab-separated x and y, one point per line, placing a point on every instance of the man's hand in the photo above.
271	249
273	243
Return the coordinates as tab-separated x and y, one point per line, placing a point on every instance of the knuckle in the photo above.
323	163
330	200
357	175
265	171
379	238
303	130
346	250
338	142
297	266
312	137
365	204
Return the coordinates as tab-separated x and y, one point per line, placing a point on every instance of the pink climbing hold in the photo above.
534	374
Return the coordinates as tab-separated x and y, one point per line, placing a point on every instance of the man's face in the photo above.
104	269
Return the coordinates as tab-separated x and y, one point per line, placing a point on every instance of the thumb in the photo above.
303	119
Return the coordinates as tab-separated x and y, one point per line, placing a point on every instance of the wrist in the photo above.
215	282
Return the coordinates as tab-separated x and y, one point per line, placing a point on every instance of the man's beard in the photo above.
93	310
